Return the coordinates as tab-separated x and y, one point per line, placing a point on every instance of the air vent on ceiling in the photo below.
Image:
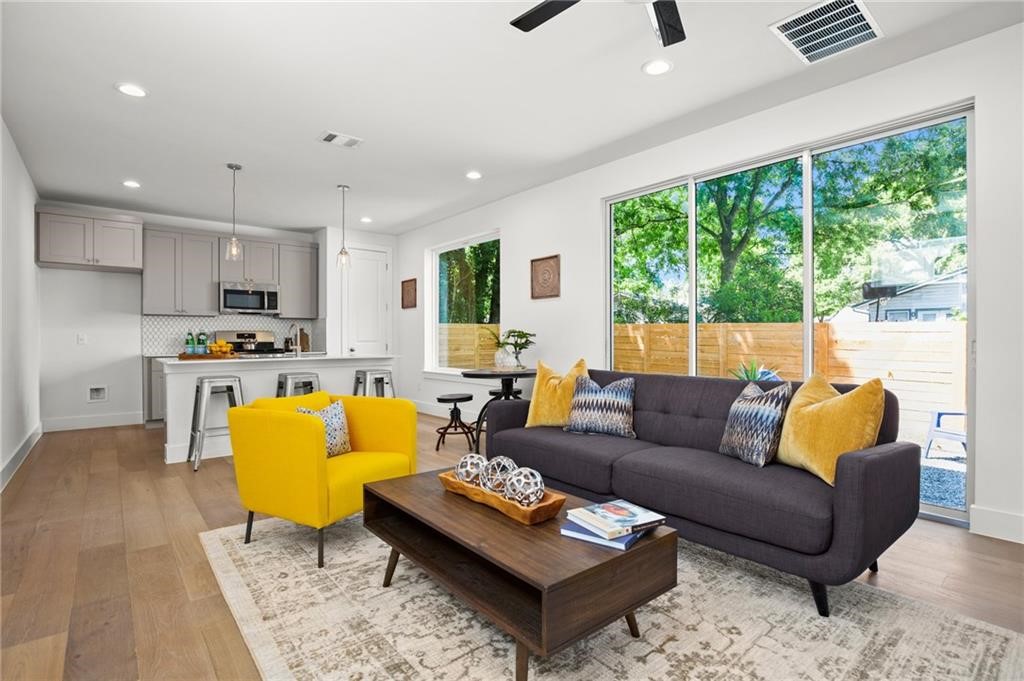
827	29
340	140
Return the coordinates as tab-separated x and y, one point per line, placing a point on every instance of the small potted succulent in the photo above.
753	372
513	341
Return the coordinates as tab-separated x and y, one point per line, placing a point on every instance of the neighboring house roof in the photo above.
949	276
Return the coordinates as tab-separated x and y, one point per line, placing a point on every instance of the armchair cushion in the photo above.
335	427
347	473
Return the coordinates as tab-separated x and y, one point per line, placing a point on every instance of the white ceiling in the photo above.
434	88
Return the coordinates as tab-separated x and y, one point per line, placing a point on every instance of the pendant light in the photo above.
233	251
343	256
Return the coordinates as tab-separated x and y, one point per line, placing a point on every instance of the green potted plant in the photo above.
753	372
515	340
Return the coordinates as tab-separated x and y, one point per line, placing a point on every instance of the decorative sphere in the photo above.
524	486
469	467
492	477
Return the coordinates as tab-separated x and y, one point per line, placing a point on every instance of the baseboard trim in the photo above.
20	454
993	522
127	418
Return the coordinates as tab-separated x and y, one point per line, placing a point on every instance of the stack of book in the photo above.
617	524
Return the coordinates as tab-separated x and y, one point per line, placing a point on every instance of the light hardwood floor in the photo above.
103	575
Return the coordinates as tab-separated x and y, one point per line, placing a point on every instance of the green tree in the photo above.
470	284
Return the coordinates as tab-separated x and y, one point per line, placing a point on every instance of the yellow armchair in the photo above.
281	463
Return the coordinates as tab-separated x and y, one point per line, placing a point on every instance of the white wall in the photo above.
566	217
19	347
107	308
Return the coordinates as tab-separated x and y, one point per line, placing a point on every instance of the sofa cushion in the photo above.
776	504
581	460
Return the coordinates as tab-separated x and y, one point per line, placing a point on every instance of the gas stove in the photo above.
253	344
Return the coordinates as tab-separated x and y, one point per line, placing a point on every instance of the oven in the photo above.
248	298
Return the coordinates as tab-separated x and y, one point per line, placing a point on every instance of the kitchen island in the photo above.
259	379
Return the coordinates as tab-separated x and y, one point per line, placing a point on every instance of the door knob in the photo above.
351	349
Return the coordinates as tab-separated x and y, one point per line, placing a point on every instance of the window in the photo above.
750	273
650	285
731	273
468	303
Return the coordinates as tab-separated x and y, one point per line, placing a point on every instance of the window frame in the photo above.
431	304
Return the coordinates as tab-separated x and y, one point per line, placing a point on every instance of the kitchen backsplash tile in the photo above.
165	335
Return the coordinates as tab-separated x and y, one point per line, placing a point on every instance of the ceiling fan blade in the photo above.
670	26
549	9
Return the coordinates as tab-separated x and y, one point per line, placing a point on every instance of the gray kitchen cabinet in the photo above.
157	391
117	244
299	284
258	263
180	275
161	255
200	275
78	242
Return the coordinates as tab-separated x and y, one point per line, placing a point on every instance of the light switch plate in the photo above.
82	338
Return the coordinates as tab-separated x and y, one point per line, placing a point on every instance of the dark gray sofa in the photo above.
780	516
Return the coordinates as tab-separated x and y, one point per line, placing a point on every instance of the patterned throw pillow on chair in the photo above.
335	427
755	424
602	411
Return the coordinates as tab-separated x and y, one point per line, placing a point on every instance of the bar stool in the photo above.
455	423
205	387
379	378
297	383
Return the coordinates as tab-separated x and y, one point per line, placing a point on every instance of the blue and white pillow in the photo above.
603	411
335	427
755	424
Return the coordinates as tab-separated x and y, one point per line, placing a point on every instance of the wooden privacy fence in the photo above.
466	346
923	363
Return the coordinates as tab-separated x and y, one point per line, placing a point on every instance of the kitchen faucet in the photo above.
293	333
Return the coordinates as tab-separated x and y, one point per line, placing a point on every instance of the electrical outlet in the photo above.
82	338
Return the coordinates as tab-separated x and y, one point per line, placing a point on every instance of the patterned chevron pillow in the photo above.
604	411
335	427
755	424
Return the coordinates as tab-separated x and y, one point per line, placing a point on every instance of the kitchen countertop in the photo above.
175	365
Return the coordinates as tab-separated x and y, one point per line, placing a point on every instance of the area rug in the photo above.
727	619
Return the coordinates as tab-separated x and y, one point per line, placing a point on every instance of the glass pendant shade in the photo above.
233	251
343	257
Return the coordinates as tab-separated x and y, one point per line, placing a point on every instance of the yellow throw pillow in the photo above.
552	395
822	424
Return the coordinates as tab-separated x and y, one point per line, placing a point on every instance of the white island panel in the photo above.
259	379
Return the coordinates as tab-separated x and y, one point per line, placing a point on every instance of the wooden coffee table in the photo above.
545	590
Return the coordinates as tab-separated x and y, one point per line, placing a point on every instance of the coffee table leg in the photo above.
390	572
522	661
634	628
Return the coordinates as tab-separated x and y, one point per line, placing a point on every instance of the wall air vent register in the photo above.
827	29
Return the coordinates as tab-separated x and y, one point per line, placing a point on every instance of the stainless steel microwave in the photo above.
237	297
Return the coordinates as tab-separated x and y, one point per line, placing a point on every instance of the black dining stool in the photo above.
517	393
455	423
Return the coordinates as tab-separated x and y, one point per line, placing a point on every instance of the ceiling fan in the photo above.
663	13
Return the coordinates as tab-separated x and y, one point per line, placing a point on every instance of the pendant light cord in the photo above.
234	174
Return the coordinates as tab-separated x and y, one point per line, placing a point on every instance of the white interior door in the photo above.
366	317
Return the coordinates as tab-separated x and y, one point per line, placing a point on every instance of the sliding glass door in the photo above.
849	261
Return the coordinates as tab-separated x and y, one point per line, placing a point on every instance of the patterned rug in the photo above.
727	619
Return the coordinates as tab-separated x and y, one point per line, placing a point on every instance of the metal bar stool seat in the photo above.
297	383
380	379
205	387
455	423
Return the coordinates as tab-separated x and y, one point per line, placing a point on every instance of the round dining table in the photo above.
508	377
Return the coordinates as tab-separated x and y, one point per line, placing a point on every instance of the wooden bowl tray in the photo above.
211	355
546	509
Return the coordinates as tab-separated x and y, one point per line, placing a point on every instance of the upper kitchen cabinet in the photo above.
299	282
180	275
258	263
79	242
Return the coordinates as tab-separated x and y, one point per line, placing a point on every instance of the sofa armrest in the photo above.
280	463
503	415
877	499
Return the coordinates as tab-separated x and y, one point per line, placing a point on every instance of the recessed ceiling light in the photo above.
656	67
131	184
474	175
367	219
131	89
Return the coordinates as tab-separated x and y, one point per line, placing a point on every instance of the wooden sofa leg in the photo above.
820	593
320	547
248	528
873	567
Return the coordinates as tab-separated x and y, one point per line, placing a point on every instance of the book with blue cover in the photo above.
613	519
571	529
